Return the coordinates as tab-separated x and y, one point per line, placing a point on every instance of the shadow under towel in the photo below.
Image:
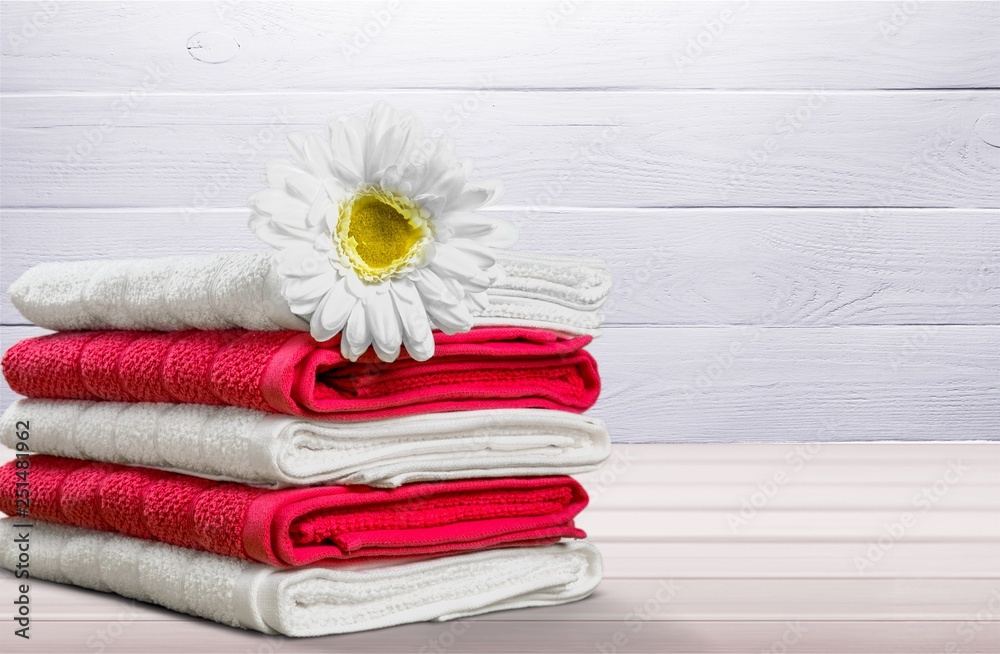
288	372
306	601
295	527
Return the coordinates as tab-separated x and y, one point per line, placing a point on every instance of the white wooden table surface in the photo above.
707	549
800	203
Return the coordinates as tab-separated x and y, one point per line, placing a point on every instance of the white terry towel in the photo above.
311	601
259	448
225	291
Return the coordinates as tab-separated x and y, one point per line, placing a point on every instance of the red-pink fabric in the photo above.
299	526
289	372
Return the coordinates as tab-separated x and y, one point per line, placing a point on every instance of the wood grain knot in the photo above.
212	47
988	129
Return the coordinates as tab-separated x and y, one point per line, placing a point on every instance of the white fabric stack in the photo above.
251	447
225	291
241	290
308	601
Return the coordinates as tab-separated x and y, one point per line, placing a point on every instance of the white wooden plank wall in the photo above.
760	176
758	186
800	203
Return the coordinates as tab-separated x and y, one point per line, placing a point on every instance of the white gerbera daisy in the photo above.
377	234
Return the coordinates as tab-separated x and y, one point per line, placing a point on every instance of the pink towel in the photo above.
289	372
298	526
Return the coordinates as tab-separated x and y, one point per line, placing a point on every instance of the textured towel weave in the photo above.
298	526
224	291
268	449
306	601
288	372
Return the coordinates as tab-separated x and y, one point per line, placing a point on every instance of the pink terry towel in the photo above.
289	372
298	526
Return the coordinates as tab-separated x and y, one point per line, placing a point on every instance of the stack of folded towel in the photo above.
195	447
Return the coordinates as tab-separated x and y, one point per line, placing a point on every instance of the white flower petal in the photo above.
333	315
383	323
417	334
347	142
413	136
440	164
432	288
386	152
451	263
277	170
278	203
301	260
484	230
450	318
356	337
476	196
276	234
296	144
308	289
479	300
316	321
381	118
304	186
431	204
481	254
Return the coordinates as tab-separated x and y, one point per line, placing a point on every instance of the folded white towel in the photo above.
268	449
305	601
224	291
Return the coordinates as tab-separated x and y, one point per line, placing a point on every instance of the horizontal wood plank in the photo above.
250	46
775	267
551	149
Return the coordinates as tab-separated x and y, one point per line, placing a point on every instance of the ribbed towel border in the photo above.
288	372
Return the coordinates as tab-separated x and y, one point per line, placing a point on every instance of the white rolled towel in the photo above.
311	601
253	447
225	291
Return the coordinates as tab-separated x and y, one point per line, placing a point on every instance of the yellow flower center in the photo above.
380	232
